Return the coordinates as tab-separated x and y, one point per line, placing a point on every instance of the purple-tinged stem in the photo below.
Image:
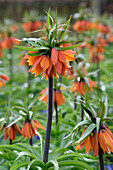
49	120
11	142
101	159
56	110
75	100
31	141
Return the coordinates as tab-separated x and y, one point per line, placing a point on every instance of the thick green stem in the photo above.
101	159
49	120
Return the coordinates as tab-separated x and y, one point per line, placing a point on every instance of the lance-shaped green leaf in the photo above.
36	40
68	48
56	153
101	110
53	163
16	120
91	115
33	49
88	105
87	132
106	107
75	164
39	53
62	34
36	162
98	121
19	165
65	42
82	123
107	119
40	141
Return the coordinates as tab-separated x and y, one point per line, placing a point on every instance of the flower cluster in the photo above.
57	97
28	128
10	132
81	81
31	26
104	139
57	63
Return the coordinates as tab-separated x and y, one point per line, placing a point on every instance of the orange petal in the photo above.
44	91
62	57
77	147
59	98
44	63
17	128
23	130
102	142
109	131
69	56
58	67
38	125
38	60
4	77
108	140
54	56
94	143
5	133
88	145
74	87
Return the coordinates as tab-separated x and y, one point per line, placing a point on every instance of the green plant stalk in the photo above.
28	78
75	104
49	120
98	72
11	63
101	159
82	112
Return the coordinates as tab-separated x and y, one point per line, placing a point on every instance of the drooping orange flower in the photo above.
83	25
104	29
31	26
58	63
10	132
104	139
1	53
57	97
14	28
97	50
8	42
81	86
110	38
3	78
28	128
